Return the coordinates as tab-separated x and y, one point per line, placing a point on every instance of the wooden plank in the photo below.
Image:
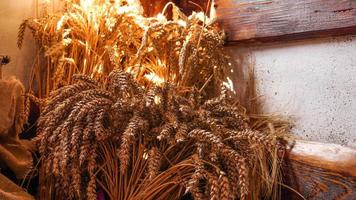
270	20
320	171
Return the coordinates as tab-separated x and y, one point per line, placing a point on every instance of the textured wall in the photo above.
313	81
11	15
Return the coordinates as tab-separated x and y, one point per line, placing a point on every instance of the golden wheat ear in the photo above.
21	33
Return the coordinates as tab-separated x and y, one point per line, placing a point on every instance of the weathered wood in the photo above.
320	171
271	20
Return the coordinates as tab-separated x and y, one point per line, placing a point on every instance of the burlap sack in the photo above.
14	153
11	191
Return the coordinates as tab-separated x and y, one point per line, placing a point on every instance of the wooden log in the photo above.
275	20
320	171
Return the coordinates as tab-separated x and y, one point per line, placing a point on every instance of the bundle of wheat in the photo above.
82	118
148	117
94	38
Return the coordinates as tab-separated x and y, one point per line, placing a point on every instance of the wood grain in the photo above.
272	20
320	171
275	20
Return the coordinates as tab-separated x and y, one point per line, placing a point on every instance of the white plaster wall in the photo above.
314	81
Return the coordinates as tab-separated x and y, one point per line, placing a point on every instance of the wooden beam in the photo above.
320	171
273	20
270	20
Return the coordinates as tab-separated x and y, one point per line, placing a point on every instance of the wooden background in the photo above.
269	20
274	20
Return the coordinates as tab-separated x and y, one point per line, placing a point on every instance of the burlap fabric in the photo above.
14	153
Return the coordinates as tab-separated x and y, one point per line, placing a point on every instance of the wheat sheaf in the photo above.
81	117
136	107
